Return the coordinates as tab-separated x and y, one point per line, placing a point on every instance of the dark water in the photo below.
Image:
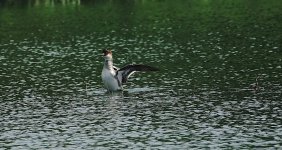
219	86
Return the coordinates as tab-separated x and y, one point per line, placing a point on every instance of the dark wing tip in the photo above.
148	68
154	68
139	68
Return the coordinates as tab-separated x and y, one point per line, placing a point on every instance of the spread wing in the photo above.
124	73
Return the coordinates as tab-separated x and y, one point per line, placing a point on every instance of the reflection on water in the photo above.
219	84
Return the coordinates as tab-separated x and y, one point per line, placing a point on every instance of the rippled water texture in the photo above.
219	86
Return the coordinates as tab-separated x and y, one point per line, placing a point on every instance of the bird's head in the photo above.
107	54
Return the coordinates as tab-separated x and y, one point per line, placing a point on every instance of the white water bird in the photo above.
114	77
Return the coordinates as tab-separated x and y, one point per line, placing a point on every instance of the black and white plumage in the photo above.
114	77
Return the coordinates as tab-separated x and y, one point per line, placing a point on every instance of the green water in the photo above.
219	86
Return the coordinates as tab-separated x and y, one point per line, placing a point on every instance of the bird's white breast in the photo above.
110	82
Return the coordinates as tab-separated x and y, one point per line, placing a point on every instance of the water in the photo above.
219	86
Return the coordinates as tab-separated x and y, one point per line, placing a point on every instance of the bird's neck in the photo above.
108	64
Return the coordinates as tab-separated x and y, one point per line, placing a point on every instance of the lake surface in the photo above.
220	84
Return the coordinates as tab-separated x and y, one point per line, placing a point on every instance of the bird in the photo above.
114	77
